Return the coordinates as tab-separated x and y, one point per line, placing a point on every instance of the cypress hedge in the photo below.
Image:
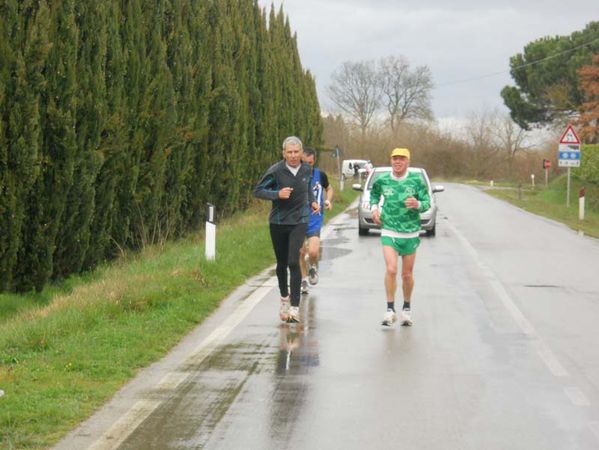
120	120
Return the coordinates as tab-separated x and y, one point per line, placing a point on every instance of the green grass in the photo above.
66	351
550	202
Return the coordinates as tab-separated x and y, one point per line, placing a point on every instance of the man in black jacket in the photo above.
287	185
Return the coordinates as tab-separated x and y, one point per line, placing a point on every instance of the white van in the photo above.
350	167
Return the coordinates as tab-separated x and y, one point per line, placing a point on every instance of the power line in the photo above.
521	66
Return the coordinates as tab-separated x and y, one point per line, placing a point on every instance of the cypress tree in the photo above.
118	124
58	151
30	41
179	164
135	81
158	119
74	234
223	115
198	189
112	146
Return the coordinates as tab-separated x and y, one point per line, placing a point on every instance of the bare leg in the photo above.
302	261
407	276
390	273
314	249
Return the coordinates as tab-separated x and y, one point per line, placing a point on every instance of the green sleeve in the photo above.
423	197
375	193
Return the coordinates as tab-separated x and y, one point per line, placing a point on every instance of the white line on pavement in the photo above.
576	396
594	426
548	357
125	425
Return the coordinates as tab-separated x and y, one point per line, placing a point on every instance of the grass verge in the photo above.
550	202
66	351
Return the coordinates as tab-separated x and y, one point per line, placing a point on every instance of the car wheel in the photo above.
432	232
362	231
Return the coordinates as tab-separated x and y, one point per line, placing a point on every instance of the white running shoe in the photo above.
284	309
406	317
293	316
389	318
305	288
313	273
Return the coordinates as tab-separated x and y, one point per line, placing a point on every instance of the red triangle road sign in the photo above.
569	136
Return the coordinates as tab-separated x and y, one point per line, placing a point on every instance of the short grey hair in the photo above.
292	140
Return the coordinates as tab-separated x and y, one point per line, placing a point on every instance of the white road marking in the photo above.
127	423
546	355
594	427
576	396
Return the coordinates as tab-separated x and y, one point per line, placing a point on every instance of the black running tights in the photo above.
287	241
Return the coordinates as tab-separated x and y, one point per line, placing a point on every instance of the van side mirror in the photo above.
357	187
438	188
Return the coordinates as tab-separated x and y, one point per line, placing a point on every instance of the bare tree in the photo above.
406	93
354	91
510	138
482	144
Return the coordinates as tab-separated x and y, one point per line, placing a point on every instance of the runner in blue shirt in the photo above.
323	193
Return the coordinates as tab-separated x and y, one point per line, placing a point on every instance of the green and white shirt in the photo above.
389	194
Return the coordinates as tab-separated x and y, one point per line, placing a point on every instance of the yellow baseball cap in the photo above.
400	152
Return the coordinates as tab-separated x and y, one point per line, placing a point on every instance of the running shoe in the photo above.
313	273
293	316
284	310
389	318
305	287
405	317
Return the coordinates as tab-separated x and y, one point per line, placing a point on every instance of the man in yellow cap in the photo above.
396	201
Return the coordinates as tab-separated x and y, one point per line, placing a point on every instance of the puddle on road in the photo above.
262	375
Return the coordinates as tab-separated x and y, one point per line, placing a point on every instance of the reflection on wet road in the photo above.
491	362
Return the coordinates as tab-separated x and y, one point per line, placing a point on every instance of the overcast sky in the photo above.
456	39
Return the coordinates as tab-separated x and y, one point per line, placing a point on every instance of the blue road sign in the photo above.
569	158
569	155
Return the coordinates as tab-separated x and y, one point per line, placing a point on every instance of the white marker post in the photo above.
532	180
210	234
581	204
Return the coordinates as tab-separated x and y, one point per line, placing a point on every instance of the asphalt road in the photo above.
503	353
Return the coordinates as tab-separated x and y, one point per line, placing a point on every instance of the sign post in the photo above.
546	167
569	155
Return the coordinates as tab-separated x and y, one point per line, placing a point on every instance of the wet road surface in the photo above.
502	355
